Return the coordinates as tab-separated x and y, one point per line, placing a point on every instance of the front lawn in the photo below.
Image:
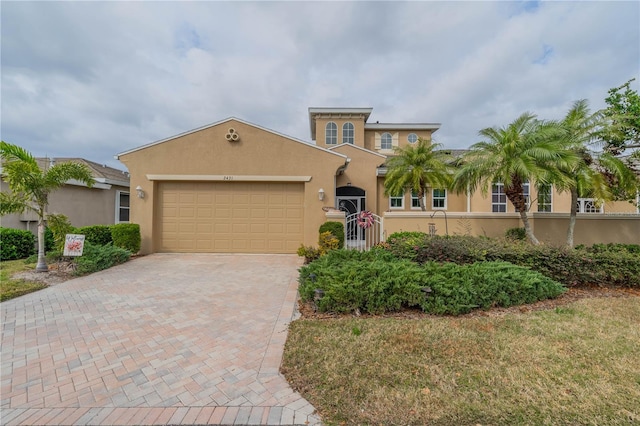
10	287
576	364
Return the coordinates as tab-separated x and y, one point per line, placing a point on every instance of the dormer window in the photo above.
331	133
347	133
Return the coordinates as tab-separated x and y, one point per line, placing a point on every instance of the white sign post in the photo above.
73	245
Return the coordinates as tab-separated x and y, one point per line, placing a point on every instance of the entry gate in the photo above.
363	230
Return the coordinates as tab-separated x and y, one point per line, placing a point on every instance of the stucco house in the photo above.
233	186
106	203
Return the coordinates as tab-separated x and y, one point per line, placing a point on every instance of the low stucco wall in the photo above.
550	228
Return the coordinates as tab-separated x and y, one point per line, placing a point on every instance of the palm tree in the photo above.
418	168
30	186
599	175
521	152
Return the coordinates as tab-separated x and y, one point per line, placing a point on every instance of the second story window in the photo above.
386	141
331	133
347	133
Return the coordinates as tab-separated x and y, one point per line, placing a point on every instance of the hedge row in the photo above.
16	244
612	266
376	282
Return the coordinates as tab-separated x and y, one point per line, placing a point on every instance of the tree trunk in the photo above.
572	216
42	262
421	198
527	228
516	197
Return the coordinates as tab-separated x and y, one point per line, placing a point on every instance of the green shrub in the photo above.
96	258
60	227
126	236
458	289
49	243
612	247
370	282
327	242
376	282
405	244
96	234
570	267
516	234
309	253
16	243
336	228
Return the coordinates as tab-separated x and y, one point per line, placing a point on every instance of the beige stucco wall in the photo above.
456	223
590	228
83	206
361	173
550	228
370	138
257	153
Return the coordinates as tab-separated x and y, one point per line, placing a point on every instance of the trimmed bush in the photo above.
458	289
570	267
376	282
96	258
16	244
126	236
336	229
516	234
372	282
96	234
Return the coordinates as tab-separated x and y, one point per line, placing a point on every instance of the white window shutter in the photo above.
378	141
395	139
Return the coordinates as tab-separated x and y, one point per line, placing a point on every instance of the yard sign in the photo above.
73	245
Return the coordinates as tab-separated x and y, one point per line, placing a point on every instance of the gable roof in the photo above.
100	172
217	123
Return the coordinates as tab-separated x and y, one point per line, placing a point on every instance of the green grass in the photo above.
9	287
577	364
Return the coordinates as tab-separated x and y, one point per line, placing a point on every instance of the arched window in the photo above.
347	133
386	141
331	133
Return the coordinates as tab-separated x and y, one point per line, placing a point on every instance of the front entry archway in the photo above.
351	200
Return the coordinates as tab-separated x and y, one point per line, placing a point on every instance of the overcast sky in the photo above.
92	79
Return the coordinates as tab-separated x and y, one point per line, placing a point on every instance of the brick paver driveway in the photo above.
162	339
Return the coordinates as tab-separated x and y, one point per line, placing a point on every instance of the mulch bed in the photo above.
573	294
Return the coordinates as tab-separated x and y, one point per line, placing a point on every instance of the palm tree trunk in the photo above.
515	196
42	262
527	227
421	198
572	216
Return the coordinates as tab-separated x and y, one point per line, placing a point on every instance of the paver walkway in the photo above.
162	339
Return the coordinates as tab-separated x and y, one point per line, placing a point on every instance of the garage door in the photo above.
229	217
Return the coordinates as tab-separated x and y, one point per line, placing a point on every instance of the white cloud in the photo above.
94	79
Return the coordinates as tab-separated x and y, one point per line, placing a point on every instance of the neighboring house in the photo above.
233	186
106	203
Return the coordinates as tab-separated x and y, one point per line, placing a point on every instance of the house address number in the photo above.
227	178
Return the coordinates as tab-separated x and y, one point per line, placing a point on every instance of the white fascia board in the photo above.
117	156
113	182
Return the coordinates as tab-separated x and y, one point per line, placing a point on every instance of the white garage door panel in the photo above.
238	217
